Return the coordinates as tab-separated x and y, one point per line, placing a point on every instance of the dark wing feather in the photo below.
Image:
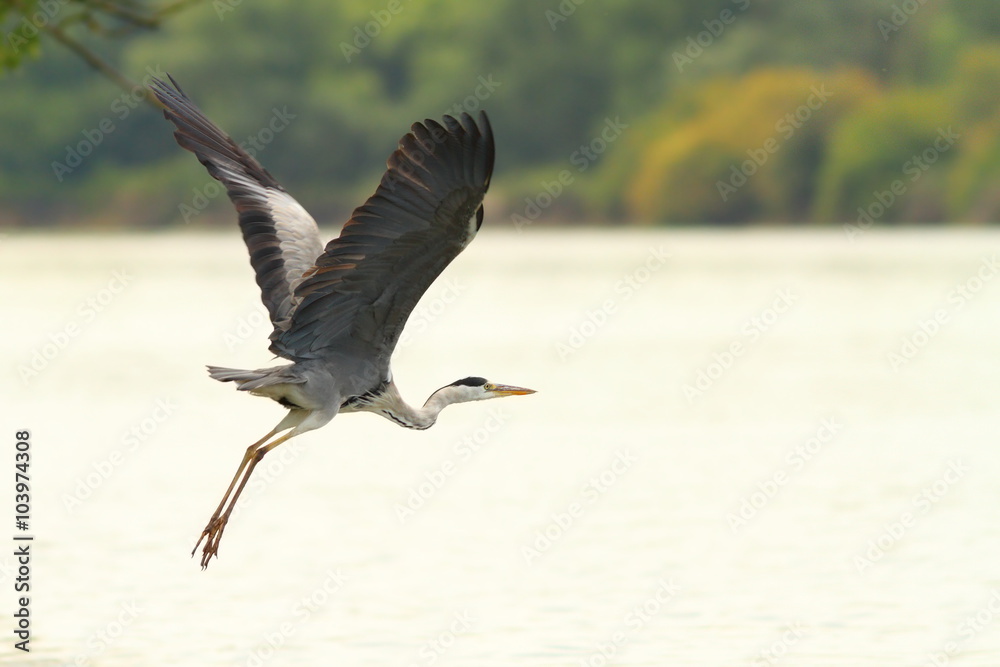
281	236
427	208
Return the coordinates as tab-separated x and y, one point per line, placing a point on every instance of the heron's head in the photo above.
475	389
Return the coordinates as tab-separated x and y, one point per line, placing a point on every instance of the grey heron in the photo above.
339	310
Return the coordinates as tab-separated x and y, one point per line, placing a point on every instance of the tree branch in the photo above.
100	64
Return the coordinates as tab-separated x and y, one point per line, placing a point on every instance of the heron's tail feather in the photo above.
255	380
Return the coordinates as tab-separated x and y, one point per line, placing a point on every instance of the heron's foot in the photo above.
212	535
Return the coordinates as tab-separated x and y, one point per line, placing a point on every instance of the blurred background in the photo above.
740	248
707	112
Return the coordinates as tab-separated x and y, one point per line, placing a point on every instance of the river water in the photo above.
747	448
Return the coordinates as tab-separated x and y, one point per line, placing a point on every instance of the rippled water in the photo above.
746	448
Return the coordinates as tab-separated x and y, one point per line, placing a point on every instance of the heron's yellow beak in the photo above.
508	390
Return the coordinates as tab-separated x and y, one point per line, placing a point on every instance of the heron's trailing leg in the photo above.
216	524
243	464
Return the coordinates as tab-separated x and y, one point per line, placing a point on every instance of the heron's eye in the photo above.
489	386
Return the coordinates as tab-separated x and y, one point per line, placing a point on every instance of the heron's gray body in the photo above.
336	381
338	309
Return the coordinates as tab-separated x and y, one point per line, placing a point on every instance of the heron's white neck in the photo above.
390	404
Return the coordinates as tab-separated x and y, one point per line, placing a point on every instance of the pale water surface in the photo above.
807	500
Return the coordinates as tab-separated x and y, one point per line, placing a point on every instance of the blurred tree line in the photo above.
633	111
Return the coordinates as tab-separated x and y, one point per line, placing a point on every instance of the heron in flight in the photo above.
339	310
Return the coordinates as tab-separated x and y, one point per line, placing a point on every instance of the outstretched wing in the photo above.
427	208
281	236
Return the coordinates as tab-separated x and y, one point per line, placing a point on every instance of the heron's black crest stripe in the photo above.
469	382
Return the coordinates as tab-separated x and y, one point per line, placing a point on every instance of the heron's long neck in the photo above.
392	406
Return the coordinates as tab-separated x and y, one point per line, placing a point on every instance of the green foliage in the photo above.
750	152
348	78
881	145
20	34
974	182
900	140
